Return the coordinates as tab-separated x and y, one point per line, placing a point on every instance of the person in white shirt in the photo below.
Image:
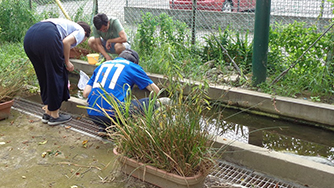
47	45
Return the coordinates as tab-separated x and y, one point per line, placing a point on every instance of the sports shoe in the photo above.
45	118
61	119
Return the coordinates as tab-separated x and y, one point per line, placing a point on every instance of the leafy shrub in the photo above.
81	16
238	47
146	34
15	19
171	38
11	79
154	31
12	56
311	72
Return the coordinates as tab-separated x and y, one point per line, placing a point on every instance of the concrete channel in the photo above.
299	171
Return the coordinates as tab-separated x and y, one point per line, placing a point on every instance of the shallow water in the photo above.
293	138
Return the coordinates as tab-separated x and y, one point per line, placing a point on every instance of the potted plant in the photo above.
11	84
171	146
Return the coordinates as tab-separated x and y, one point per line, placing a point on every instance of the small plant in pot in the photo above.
171	146
11	84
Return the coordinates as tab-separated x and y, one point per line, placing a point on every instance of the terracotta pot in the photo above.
5	109
157	176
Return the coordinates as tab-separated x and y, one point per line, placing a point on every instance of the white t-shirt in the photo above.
68	27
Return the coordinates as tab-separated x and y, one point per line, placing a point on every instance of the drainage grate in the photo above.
243	177
236	176
78	122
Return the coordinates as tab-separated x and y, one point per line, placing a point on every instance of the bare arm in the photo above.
122	38
87	90
67	42
100	49
154	88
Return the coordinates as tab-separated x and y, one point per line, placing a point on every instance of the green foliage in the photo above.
12	56
292	35
12	80
10	51
168	42
154	31
81	15
15	19
146	34
43	2
163	42
176	137
237	47
311	73
53	13
167	56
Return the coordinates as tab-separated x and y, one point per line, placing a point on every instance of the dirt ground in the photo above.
33	154
36	155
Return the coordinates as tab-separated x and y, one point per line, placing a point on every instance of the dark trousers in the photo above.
102	121
137	106
44	48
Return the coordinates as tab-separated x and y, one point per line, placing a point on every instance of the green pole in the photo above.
261	38
95	9
193	29
30	4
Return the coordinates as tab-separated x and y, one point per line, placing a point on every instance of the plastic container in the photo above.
93	58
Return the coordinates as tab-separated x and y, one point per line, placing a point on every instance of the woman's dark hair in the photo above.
99	20
86	27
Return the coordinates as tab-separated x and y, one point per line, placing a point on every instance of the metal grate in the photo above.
224	175
243	177
78	122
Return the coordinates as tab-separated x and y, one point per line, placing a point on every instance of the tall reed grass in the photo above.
174	137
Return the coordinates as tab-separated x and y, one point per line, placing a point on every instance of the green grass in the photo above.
11	51
13	56
162	43
175	138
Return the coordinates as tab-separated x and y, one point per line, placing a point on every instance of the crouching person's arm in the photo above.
87	90
154	88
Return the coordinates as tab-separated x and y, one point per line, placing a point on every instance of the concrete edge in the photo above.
285	107
283	166
316	113
290	168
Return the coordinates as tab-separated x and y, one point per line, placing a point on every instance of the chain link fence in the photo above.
210	15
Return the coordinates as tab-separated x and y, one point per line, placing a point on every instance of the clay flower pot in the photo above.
5	109
157	176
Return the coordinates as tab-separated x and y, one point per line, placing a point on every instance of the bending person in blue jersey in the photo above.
116	77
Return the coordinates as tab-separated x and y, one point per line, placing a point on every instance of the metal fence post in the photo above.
95	9
30	4
261	38
193	25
